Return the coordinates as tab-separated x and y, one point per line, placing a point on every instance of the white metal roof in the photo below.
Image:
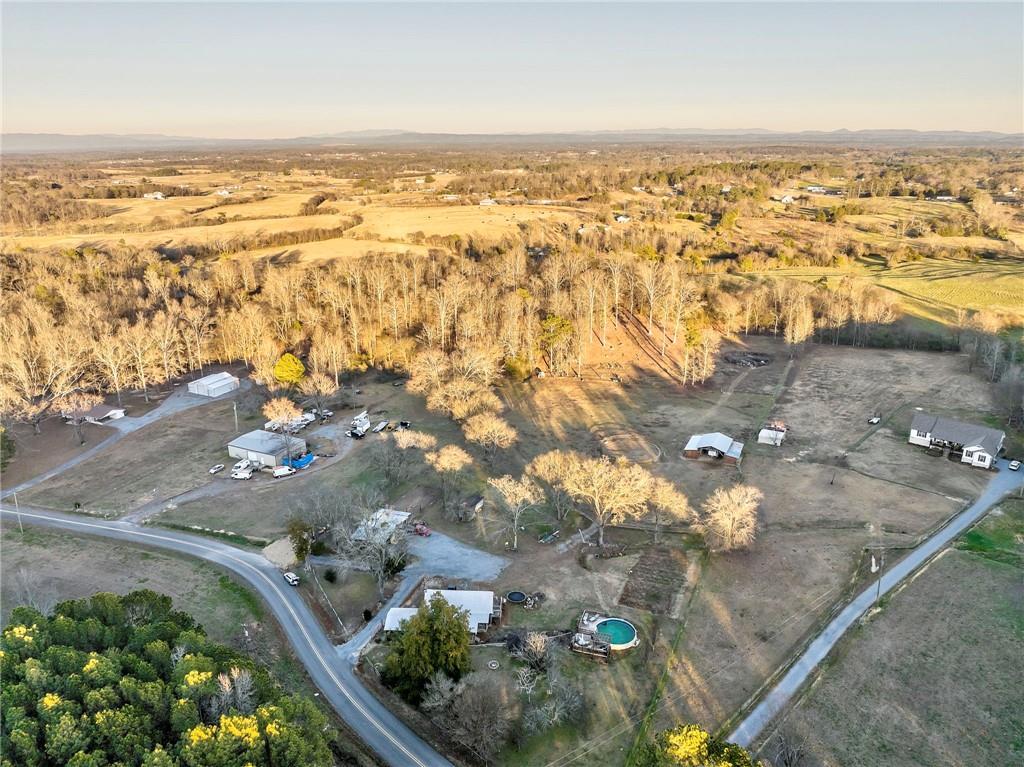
395	616
723	443
383	522
216	378
479	604
268	443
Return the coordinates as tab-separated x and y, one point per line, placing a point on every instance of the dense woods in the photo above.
129	319
127	680
112	317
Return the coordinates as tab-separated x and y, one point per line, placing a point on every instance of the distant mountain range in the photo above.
51	143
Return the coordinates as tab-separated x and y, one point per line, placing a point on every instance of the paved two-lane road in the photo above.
331	671
998	487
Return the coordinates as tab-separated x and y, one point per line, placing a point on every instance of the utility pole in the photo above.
234	409
881	564
17	510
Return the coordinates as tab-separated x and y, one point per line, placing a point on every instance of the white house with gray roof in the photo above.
979	445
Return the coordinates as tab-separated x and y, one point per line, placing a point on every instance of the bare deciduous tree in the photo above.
490	431
283	412
517	497
75	407
611	490
729	517
449	462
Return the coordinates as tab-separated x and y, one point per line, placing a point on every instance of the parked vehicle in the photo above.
242	465
292	579
1014	465
421	529
242	474
218	468
283	471
874	419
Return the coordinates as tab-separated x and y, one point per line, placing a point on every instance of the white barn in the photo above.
265	448
213	385
978	445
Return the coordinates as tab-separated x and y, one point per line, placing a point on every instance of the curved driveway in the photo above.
761	715
330	670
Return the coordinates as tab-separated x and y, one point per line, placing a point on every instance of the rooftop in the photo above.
215	378
260	441
479	604
723	443
958	432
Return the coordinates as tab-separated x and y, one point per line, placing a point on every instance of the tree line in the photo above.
121	318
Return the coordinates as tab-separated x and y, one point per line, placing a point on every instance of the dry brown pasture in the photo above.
933	678
36	454
156	462
386	221
194	234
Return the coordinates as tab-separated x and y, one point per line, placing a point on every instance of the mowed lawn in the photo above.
159	461
62	566
935	677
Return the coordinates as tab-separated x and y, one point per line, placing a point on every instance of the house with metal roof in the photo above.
714	445
976	445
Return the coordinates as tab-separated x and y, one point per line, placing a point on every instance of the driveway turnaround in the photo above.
1001	484
393	742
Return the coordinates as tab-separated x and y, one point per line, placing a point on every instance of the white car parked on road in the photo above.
242	474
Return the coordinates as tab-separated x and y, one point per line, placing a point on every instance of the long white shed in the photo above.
213	385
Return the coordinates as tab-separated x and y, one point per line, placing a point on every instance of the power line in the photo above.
608	735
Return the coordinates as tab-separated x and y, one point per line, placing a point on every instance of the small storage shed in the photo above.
714	445
265	448
773	433
213	385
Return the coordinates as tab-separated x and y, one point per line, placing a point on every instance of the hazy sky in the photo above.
286	69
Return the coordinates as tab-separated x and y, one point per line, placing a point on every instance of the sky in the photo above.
264	70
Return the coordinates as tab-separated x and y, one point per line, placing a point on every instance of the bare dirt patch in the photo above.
656	580
622	442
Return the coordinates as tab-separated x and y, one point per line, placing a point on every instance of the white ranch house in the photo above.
979	445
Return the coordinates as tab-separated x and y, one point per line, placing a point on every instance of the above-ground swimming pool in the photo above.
621	632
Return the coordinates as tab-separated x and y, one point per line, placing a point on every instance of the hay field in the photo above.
326	250
195	234
466	220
